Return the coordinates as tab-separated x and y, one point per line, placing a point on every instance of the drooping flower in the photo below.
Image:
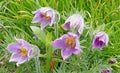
21	51
106	71
101	39
45	16
69	44
75	23
112	61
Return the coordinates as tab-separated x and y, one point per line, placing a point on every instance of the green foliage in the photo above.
39	33
99	15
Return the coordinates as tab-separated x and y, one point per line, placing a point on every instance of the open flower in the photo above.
74	23
45	16
69	44
100	40
21	51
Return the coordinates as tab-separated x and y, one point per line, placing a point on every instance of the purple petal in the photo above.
77	51
58	43
44	24
51	14
21	60
106	39
103	37
97	44
66	26
77	48
106	71
80	30
13	47
30	52
67	52
15	57
37	18
112	61
24	44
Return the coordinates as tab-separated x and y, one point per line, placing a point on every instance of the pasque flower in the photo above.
74	23
45	16
101	39
69	44
21	51
106	71
112	61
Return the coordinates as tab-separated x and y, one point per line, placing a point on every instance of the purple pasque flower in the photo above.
74	23
112	61
69	44
101	39
21	51
45	16
106	71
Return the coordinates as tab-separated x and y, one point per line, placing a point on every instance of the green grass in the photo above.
99	15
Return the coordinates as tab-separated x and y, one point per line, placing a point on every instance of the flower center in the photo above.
70	41
45	17
23	51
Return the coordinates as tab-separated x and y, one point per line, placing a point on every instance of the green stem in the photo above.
37	64
56	30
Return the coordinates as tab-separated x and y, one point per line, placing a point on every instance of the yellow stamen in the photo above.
23	51
70	41
45	17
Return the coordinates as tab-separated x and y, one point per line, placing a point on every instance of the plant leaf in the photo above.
39	33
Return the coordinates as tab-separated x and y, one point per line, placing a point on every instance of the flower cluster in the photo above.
68	43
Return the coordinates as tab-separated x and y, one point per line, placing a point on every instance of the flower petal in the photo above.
13	47
50	13
77	48
58	43
44	24
106	39
15	57
37	18
21	60
24	44
66	26
66	53
97	44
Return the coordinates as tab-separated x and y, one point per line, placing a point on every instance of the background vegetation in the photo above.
99	15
